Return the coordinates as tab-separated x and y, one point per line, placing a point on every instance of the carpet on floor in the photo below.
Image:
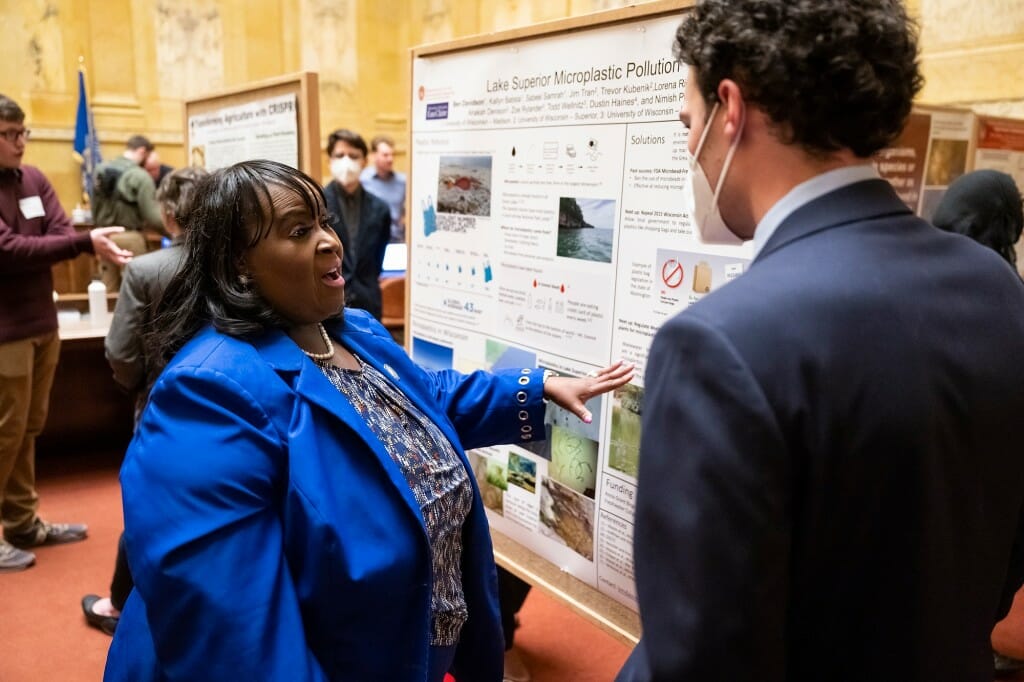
46	638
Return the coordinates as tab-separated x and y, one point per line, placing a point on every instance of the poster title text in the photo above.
594	74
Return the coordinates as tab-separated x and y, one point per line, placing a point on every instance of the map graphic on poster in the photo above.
263	129
548	229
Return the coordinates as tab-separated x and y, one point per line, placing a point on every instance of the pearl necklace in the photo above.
327	342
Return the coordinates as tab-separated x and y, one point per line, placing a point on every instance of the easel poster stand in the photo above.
277	118
547	230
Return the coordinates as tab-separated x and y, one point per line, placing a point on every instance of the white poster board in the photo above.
277	118
261	129
548	229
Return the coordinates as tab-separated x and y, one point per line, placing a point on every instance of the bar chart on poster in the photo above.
549	231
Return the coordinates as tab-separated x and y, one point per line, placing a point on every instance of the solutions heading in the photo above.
584	77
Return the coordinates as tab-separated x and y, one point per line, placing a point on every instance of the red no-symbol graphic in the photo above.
672	273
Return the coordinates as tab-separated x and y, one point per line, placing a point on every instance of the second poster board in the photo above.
277	119
939	144
935	148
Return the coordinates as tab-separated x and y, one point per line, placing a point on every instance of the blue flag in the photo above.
87	147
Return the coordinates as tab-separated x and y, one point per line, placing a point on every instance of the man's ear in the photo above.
733	106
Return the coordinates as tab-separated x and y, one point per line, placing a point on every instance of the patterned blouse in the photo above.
436	476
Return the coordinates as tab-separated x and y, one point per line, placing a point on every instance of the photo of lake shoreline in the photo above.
586	228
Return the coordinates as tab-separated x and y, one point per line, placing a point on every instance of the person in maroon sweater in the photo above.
35	233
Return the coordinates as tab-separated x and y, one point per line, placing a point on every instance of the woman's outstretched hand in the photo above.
572	392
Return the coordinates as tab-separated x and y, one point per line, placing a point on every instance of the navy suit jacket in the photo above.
831	473
272	537
361	266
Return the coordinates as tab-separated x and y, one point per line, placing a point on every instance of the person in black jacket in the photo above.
984	205
361	220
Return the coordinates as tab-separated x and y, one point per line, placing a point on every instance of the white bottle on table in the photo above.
97	303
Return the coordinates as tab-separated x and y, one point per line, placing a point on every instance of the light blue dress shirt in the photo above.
806	192
392	192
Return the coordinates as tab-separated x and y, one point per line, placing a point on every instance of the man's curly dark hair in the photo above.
831	74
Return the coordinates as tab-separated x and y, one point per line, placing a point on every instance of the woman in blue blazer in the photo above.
298	503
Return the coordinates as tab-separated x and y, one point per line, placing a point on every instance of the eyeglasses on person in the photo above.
13	134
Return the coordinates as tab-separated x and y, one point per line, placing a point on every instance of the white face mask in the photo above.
345	170
702	200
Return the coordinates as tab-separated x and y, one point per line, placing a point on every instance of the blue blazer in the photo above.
272	537
831	449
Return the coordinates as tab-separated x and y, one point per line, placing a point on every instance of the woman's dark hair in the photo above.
175	193
830	74
986	206
231	211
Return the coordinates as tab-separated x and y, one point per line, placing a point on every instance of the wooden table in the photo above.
87	409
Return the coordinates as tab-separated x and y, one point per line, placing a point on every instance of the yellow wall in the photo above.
145	57
973	54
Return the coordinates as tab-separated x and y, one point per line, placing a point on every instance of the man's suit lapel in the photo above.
854	203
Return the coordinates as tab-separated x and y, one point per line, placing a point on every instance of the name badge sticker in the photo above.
31	207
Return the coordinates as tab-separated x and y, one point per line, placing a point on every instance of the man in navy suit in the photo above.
361	220
831	475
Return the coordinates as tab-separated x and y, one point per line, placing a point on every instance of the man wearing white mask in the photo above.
361	220
831	483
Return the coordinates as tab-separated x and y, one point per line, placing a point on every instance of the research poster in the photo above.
549	230
932	151
1001	147
903	163
262	129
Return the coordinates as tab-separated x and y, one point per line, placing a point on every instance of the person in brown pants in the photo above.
35	233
